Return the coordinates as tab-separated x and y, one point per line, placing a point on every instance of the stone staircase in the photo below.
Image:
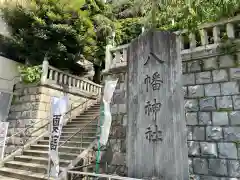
33	162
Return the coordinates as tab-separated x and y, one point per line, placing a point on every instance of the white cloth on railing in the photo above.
59	108
109	88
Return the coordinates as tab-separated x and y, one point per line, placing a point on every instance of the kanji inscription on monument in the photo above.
156	140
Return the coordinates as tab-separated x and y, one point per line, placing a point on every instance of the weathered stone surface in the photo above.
224	102
190	166
234	168
203	77
238	149
189	133
209	149
212	89
235	73
119	97
188	79
209	178
191	105
198	133
207	104
200	166
191	118
218	167
196	91
114	109
193	148
124	120
227	150
122	108
220	118
236	102
226	61
214	133
229	88
194	66
205	118
232	133
210	63
235	117
185	91
220	75
184	67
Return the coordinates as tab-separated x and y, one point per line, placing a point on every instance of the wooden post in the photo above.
156	134
44	71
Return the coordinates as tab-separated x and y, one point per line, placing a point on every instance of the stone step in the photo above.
83	120
87	116
68	143
75	138
65	149
22	174
38	153
39	160
81	124
83	133
36	168
7	178
76	129
77	125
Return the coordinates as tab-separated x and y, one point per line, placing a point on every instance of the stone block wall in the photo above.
212	105
115	154
32	107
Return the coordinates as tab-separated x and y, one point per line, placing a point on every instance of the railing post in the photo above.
108	57
216	34
44	71
204	37
230	31
192	38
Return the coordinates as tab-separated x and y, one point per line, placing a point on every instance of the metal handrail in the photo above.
46	124
78	131
102	175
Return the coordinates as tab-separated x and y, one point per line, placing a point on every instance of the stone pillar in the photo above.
44	71
108	57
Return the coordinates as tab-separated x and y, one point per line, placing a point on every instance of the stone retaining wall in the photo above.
115	154
212	105
31	105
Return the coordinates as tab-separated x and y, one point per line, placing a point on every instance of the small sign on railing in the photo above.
3	136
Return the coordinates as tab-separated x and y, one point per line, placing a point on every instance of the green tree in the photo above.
170	15
62	30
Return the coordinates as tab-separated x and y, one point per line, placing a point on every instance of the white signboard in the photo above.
59	108
3	136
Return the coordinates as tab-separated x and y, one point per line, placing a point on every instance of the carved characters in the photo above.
153	134
155	57
155	81
152	108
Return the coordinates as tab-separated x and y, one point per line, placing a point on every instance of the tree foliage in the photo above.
173	15
62	30
66	30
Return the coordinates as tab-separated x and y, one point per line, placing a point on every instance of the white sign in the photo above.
59	108
3	136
